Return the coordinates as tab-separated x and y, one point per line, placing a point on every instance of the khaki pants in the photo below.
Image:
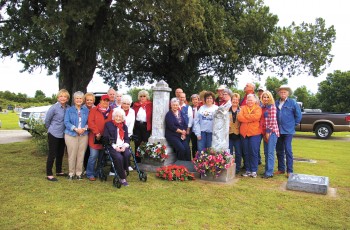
76	147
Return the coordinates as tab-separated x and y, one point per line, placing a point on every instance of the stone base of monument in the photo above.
151	165
227	175
308	183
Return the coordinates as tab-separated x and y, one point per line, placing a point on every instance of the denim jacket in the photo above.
288	116
71	120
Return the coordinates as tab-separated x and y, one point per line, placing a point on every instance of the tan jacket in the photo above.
234	126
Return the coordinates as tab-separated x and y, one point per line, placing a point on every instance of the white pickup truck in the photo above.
37	113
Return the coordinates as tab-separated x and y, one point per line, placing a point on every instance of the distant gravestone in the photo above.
308	183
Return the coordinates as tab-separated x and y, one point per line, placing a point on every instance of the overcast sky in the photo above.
335	13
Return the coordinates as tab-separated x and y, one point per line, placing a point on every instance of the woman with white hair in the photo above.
129	113
176	131
226	99
129	116
250	130
117	133
76	135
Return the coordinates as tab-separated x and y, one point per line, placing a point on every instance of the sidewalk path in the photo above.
10	136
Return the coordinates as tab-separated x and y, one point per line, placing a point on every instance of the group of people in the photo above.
116	118
252	119
82	126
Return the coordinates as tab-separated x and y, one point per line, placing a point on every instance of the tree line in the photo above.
331	96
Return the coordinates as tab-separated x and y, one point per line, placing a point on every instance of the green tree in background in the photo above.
304	95
181	42
39	94
333	92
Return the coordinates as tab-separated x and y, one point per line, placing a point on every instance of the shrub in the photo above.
39	133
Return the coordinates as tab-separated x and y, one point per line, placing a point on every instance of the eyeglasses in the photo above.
142	96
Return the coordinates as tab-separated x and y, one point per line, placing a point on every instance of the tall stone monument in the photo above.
161	98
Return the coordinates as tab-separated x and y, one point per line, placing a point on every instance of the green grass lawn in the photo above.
29	201
9	121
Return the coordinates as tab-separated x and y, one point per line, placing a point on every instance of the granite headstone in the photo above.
308	183
220	141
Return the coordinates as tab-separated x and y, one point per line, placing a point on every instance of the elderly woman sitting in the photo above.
117	132
175	131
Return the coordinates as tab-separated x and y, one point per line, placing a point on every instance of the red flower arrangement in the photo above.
152	150
212	162
174	172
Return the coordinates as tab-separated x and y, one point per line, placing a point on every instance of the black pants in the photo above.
194	144
86	157
140	130
56	151
120	161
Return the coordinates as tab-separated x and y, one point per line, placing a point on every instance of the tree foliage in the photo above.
182	42
333	92
305	96
39	94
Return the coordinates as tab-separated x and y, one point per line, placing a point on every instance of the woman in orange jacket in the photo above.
250	130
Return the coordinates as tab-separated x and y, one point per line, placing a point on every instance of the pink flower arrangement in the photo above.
212	162
174	173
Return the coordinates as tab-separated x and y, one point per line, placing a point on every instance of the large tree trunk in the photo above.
76	75
77	67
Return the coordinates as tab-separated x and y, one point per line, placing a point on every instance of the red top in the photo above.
96	123
268	120
148	107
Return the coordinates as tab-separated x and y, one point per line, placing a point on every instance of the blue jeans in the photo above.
205	141
94	154
237	144
269	151
251	147
284	151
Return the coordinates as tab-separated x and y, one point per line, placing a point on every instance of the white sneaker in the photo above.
253	174
111	173
246	174
130	168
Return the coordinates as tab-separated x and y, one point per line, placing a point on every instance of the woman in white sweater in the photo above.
203	123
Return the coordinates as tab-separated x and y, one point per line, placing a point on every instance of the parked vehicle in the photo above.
323	124
36	113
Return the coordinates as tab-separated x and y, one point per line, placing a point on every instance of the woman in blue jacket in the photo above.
176	131
76	135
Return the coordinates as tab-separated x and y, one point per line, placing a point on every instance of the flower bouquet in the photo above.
212	162
174	172
152	150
